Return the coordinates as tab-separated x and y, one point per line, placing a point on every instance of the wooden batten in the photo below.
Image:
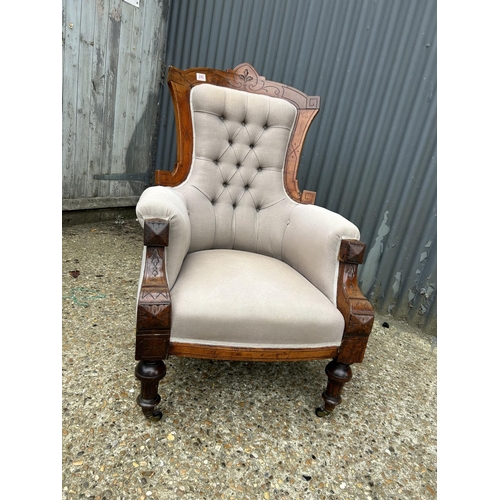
250	353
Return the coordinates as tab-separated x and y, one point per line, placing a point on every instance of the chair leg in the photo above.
338	374
149	373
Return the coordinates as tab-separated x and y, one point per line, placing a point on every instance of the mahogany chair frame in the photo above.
153	344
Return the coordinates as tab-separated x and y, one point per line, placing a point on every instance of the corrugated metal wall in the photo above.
371	152
113	55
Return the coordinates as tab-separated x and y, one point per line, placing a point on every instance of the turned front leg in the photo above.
149	373
338	374
153	318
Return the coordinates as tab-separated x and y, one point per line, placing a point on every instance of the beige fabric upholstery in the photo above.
311	245
235	298
261	269
166	203
235	192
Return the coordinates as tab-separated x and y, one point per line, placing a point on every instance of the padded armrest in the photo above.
311	245
159	202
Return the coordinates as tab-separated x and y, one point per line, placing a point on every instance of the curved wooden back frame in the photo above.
245	78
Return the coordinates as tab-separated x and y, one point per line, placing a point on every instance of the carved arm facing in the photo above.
357	311
153	304
167	204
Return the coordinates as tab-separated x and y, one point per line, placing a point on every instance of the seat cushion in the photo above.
243	299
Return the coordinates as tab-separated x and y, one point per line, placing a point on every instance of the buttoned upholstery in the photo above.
235	194
247	265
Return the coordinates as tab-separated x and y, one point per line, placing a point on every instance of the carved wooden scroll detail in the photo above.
357	311
245	78
154	305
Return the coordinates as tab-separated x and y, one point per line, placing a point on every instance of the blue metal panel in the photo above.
371	152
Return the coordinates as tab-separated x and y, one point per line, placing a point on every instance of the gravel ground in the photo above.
230	429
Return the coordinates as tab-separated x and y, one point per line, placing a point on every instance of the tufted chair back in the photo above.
234	192
234	184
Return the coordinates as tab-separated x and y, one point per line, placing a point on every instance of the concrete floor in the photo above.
230	429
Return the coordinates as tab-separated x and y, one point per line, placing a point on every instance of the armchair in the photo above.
238	263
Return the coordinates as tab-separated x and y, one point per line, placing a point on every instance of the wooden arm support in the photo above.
357	311
154	308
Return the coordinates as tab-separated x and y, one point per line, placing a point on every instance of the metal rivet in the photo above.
70	26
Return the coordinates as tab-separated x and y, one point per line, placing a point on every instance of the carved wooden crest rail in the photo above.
244	77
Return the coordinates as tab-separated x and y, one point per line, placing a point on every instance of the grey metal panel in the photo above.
113	55
371	152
